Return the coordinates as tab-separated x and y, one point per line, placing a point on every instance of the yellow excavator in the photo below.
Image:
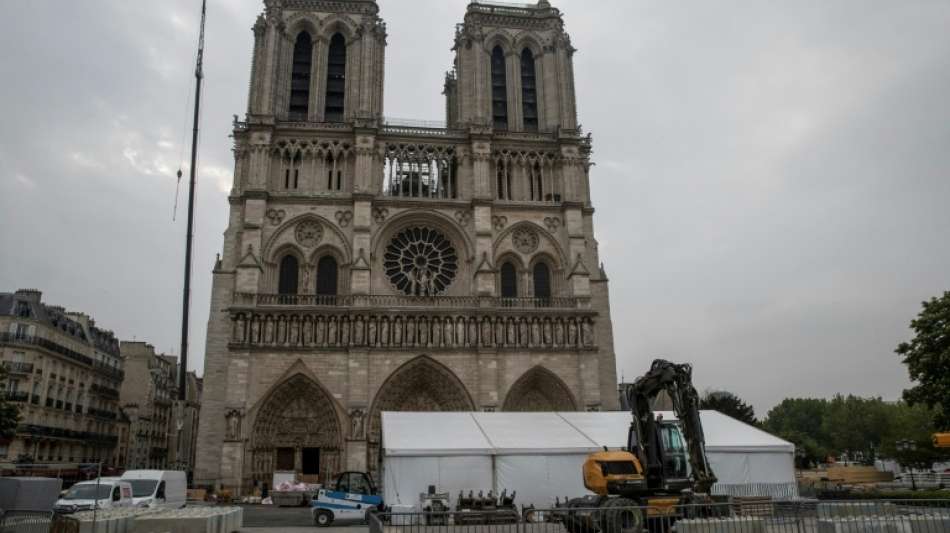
941	440
663	465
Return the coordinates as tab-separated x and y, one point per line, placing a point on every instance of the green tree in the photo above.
913	423
927	357
801	422
856	426
728	404
9	412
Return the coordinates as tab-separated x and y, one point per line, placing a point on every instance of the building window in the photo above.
334	166
529	91
542	281
336	80
327	276
300	77
499	89
536	182
509	281
289	270
503	178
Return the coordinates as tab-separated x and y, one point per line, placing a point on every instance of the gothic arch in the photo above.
548	244
331	235
338	23
539	390
302	22
498	38
426	217
527	40
421	384
296	413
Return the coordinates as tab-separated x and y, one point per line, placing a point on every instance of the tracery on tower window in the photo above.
300	77
312	165
420	171
526	176
499	89
529	91
336	80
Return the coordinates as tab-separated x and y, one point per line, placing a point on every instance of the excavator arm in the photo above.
643	439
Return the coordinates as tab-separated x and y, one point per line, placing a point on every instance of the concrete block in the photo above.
192	520
867	524
928	524
743	524
856	509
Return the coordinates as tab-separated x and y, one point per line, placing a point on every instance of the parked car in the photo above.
104	493
165	489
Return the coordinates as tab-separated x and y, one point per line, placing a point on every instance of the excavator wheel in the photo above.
620	515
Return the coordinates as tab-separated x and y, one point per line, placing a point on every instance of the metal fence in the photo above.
26	521
740	515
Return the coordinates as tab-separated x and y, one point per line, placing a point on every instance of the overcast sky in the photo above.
772	178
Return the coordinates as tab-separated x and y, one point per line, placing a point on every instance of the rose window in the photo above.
420	262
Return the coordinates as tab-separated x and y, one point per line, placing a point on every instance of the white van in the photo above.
106	493
165	489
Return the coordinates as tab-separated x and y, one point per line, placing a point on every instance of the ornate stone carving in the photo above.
276	216
343	218
309	233
499	222
233	419
525	240
357	426
380	214
552	223
420	262
463	217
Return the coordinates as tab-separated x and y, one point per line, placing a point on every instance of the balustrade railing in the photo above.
16	397
17	367
403	301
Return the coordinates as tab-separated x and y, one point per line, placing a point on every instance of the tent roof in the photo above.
426	434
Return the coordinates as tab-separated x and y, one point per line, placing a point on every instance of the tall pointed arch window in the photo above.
287	275
300	76
542	282
327	276
529	91
499	89
336	79
509	281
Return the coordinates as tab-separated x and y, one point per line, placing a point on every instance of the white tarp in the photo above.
540	455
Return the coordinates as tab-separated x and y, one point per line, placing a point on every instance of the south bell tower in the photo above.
374	265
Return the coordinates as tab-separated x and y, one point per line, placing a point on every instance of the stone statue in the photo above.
397	332
587	333
384	333
358	331
535	333
559	333
523	332
331	332
448	337
345	332
472	337
499	333
371	338
486	332
547	332
572	333
411	332
321	335
512	333
357	426
423	332
234	425
436	332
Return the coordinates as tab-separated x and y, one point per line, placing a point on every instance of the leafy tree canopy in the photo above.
728	404
927	357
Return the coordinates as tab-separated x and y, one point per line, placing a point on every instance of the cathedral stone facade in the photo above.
373	264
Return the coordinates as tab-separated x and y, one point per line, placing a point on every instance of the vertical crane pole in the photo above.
186	296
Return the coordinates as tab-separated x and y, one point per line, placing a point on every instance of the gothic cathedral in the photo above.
375	265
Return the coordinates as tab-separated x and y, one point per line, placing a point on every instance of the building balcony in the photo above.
16	397
99	413
18	368
37	431
13	339
105	392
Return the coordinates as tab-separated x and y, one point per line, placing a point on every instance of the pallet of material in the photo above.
854	475
753	505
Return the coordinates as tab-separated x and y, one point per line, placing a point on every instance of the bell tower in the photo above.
513	69
318	61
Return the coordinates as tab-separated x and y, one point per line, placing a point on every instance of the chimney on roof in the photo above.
29	295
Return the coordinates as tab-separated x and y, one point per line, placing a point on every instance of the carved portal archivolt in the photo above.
539	390
297	415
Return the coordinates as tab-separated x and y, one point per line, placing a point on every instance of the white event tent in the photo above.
540	455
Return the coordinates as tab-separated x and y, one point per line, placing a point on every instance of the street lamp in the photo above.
907	445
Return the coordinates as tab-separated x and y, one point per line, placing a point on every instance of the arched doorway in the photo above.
296	428
539	390
422	384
